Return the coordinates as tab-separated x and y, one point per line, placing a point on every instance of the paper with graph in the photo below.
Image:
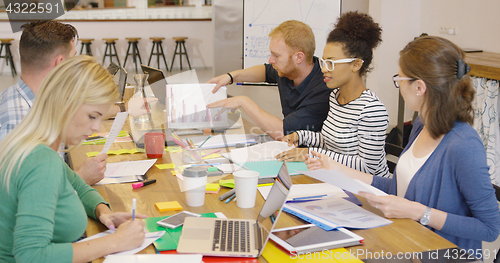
187	106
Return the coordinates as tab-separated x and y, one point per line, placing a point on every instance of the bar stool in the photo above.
86	42
108	51
5	42
132	43
180	42
157	41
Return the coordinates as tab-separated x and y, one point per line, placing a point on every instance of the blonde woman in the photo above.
45	204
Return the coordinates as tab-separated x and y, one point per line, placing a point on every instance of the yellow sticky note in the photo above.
173	149
165	166
174	173
212	188
168	206
92	154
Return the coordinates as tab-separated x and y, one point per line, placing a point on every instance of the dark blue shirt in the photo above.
305	106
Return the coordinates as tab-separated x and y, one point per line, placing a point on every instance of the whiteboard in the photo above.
261	16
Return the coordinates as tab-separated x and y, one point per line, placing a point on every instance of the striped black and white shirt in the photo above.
353	134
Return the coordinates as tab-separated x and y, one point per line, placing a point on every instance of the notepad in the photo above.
168	206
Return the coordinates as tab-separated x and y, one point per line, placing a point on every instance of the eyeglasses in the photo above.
396	79
330	64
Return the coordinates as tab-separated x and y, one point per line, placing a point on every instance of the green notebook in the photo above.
271	168
171	237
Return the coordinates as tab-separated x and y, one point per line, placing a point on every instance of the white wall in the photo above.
477	24
199	43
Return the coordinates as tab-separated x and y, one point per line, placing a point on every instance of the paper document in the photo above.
307	190
148	240
256	153
330	213
115	130
343	181
154	258
223	140
129	168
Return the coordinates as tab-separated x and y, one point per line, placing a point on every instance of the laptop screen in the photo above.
122	82
157	82
272	206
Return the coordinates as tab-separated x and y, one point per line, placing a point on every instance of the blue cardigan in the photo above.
455	179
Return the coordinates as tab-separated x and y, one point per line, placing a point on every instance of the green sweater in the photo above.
45	210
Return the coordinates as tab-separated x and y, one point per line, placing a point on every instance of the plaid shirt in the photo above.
15	102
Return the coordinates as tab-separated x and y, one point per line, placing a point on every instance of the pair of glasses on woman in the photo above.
396	79
330	64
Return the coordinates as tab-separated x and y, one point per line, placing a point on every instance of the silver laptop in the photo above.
157	82
236	237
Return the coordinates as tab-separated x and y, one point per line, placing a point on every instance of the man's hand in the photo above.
92	170
222	80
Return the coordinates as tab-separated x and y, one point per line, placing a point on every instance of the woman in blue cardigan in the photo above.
441	179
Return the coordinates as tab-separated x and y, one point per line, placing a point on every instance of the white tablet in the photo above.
310	238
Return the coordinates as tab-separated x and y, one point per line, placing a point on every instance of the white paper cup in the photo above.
245	183
195	181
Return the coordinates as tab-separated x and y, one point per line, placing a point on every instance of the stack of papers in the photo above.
124	172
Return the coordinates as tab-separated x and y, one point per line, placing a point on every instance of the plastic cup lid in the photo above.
196	171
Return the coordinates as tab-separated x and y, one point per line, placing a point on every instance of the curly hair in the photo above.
359	35
448	98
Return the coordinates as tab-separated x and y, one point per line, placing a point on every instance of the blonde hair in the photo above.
297	36
76	81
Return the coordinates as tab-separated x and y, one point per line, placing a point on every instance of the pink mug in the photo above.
154	143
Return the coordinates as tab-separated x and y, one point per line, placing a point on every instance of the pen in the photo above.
205	141
216	151
227	194
308	197
141	184
201	164
134	204
230	198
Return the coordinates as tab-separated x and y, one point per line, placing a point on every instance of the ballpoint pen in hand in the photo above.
134	204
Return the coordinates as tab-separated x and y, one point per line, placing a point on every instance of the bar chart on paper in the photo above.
187	106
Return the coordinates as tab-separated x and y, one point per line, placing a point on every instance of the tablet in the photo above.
310	238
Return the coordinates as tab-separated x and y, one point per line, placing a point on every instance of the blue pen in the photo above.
230	198
134	204
308	197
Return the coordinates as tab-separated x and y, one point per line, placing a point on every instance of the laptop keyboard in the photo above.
231	236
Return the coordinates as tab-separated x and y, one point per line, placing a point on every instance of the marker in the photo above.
141	184
134	205
230	198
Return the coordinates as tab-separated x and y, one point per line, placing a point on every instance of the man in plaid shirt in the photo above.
43	45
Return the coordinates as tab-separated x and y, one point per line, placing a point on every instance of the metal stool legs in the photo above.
135	54
88	50
159	52
179	45
8	57
108	52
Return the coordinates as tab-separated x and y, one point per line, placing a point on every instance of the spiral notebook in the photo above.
260	157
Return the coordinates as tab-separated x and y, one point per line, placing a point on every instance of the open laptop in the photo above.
122	78
157	82
236	237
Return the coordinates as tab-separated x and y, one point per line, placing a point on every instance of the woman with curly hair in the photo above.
353	134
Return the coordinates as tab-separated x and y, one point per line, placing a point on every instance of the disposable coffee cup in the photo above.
191	155
195	182
245	183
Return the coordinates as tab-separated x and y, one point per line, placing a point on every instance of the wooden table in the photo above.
403	235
